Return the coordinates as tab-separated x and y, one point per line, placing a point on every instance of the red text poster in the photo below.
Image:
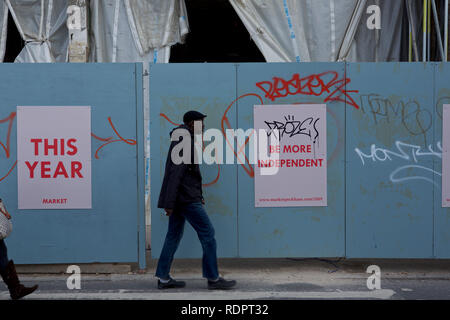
299	158
54	157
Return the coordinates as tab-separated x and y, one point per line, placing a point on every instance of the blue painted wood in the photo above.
383	194
294	231
175	89
108	232
441	215
390	190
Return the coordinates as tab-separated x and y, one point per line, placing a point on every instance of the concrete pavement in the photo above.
257	279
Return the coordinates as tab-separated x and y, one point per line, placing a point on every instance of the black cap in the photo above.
193	116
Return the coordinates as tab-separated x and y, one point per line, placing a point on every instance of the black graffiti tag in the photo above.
291	127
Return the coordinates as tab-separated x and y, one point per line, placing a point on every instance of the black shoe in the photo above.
171	284
221	284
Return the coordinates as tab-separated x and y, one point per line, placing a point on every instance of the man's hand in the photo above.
203	201
168	212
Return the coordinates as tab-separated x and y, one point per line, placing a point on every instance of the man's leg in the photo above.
173	237
198	218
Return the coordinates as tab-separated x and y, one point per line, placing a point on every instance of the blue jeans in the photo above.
3	255
196	215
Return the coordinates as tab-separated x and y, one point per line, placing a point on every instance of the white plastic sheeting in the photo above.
159	23
348	40
121	30
321	30
373	45
136	30
42	25
3	28
296	30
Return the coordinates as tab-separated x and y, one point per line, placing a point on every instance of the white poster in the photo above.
298	156
54	157
446	156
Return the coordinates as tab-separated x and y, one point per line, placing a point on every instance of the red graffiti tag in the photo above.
241	149
248	168
9	119
167	118
7	148
109	141
100	139
225	124
312	85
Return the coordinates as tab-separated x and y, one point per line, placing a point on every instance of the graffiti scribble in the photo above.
410	114
109	141
312	85
7	148
407	152
291	127
10	120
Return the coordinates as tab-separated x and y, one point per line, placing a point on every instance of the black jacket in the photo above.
182	183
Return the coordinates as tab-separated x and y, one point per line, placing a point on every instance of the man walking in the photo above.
182	199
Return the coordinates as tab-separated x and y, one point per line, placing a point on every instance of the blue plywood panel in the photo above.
383	133
441	215
294	231
390	175
109	231
175	89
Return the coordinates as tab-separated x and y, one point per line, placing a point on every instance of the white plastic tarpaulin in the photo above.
121	30
296	30
3	28
373	45
136	30
321	30
42	25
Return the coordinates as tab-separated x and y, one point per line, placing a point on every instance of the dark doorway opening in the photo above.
216	34
14	42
